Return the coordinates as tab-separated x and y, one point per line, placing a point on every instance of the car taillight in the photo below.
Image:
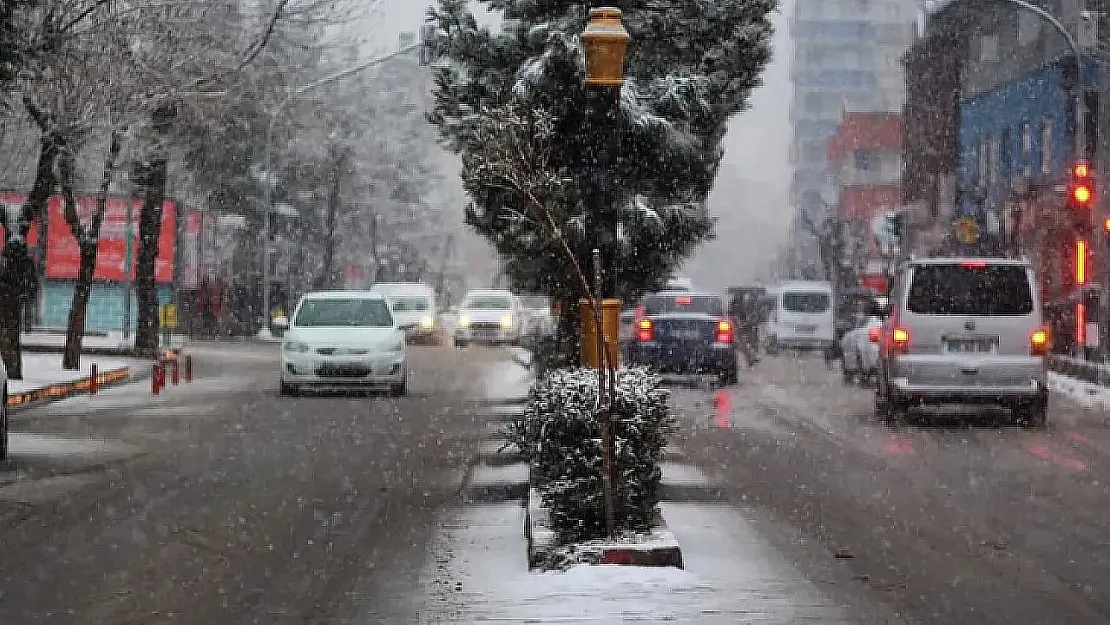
645	330
900	340
1038	342
724	332
873	335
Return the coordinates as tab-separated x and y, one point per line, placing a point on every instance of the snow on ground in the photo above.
1085	394
106	340
478	573
40	370
506	380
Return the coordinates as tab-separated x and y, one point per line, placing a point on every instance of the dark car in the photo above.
684	333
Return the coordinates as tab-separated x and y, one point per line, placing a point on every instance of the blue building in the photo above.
990	125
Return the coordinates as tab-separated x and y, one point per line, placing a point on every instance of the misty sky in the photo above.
750	197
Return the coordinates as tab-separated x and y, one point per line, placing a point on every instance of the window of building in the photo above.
1046	146
1029	28
984	159
992	160
1005	152
1026	149
863	160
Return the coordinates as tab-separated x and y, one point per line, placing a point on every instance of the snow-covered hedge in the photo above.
560	433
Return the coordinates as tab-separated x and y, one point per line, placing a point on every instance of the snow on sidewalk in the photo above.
478	573
107	341
42	370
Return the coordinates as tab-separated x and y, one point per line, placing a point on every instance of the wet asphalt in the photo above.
220	502
944	518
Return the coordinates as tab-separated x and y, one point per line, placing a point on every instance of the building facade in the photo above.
846	56
991	115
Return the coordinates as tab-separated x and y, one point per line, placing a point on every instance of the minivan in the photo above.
802	316
964	331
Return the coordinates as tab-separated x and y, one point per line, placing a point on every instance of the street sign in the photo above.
167	316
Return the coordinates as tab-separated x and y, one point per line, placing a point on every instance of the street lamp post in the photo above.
267	187
606	42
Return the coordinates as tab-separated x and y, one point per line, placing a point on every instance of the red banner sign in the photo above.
63	258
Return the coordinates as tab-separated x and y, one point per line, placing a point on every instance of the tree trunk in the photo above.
75	329
326	278
16	269
88	241
150	227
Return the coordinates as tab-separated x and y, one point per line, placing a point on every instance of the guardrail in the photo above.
61	390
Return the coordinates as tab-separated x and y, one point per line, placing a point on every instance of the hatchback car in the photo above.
343	339
964	331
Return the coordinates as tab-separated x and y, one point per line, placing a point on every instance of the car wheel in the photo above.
288	390
460	344
399	389
4	424
1034	414
772	346
848	377
889	408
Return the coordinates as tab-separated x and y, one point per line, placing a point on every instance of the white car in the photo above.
343	339
488	316
414	307
859	351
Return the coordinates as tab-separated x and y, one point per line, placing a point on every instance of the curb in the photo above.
660	548
62	390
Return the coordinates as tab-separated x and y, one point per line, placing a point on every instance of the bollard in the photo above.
188	368
155	373
176	376
93	375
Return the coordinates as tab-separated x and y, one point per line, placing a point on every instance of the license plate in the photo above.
687	335
347	370
971	346
806	329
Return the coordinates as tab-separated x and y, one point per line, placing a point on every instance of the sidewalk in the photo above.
53	340
44	378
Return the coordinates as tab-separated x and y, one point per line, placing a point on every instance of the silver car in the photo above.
964	331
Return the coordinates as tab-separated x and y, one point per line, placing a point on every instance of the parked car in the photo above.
491	316
343	339
859	351
684	333
966	331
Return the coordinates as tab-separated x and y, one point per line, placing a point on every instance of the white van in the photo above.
414	307
802	316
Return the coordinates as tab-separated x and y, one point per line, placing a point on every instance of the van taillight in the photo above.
645	330
900	340
1038	342
724	332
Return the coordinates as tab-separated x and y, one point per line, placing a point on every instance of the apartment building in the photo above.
847	56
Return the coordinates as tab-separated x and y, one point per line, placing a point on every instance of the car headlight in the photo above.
464	320
296	347
427	322
506	321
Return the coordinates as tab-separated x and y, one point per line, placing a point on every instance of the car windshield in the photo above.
344	312
696	304
409	303
535	303
806	302
488	302
970	289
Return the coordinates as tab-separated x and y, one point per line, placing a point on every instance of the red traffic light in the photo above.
1082	194
1082	187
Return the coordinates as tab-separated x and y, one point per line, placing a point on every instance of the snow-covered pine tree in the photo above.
691	66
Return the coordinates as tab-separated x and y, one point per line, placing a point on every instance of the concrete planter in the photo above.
659	548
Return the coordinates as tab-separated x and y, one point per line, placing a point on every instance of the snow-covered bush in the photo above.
560	433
